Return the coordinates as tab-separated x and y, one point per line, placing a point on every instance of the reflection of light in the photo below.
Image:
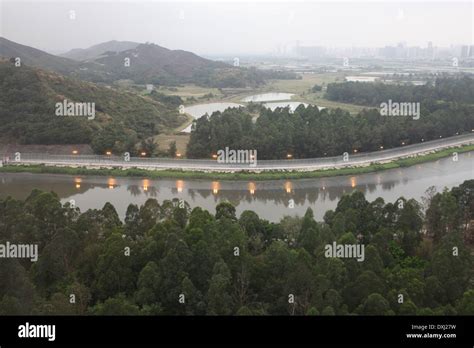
381	147
111	182
422	140
289	155
215	187
252	188
214	156
288	187
108	153
355	150
75	152
143	153
146	183
324	187
440	136
78	182
353	182
178	154
403	143
179	185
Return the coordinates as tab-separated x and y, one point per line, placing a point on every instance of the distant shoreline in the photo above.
267	175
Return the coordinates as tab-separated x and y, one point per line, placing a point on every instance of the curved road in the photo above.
384	156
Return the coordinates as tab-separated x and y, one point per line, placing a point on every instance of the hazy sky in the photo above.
224	27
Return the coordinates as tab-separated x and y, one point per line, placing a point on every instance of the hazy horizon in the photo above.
213	28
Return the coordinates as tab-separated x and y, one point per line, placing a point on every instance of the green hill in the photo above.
28	111
96	51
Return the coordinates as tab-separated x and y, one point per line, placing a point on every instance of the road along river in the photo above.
350	160
270	199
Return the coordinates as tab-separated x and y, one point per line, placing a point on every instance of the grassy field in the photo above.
303	85
277	175
187	91
317	99
164	141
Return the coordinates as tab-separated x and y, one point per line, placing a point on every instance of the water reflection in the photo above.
215	187
112	183
353	182
268	97
145	184
179	185
77	182
252	187
270	199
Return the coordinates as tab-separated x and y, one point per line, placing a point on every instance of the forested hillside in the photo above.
166	259
27	113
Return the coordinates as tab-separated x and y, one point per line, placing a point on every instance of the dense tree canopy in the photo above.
168	259
309	132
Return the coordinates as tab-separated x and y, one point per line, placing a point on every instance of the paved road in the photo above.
95	161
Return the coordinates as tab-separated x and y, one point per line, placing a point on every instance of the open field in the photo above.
188	91
164	141
302	86
317	99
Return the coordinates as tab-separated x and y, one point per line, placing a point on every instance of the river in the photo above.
271	200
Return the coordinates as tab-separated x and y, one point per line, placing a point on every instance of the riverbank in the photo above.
267	175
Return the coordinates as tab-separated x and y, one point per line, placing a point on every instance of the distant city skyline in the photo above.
236	28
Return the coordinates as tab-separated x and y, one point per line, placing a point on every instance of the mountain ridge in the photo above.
95	51
147	63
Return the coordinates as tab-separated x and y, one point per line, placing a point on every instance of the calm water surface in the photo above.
268	97
200	110
270	199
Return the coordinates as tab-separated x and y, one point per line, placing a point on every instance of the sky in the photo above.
236	27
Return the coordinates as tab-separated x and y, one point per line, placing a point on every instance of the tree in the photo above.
218	297
374	304
172	149
115	306
149	147
148	285
225	210
113	274
466	304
